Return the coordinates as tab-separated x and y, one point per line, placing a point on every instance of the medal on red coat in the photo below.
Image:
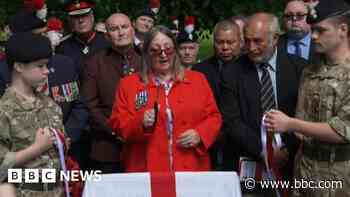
141	99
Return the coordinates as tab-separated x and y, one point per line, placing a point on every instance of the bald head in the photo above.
265	21
119	30
117	16
261	36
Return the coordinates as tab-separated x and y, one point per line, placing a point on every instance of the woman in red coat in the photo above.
166	115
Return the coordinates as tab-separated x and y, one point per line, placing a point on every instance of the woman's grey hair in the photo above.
176	68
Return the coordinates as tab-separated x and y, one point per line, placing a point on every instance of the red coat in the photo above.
193	107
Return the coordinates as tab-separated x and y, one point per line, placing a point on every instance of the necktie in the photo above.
297	48
267	96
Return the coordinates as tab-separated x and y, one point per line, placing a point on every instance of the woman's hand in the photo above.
149	117
188	139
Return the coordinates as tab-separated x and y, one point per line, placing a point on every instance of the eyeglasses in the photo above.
159	51
295	17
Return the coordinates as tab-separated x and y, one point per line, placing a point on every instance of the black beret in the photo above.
146	12
78	7
326	9
27	47
25	20
186	37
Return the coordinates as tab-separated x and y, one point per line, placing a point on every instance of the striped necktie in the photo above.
267	96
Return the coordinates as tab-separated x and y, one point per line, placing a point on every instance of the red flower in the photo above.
34	4
54	24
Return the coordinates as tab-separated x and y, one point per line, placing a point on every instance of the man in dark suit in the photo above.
99	81
241	99
297	40
84	40
227	48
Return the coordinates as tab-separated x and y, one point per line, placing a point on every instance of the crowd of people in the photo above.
129	95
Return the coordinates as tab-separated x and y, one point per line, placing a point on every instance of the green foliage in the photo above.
206	45
207	12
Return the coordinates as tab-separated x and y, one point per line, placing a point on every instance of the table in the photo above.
188	184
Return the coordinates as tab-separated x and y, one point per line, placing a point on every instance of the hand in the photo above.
43	139
149	118
188	139
277	121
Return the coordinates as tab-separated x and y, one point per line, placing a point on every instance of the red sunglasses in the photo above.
167	51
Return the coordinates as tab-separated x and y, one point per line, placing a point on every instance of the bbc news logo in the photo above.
51	176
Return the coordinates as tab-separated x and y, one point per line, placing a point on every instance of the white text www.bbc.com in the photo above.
250	184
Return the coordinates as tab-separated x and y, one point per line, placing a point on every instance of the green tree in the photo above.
208	12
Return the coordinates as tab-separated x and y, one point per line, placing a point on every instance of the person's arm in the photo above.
90	94
7	190
321	131
208	129
277	121
43	141
76	119
8	159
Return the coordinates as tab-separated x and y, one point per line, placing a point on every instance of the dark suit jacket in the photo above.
73	48
241	108
212	71
100	79
283	45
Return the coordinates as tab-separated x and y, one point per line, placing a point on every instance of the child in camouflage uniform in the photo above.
27	117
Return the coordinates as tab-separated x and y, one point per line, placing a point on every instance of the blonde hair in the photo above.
176	68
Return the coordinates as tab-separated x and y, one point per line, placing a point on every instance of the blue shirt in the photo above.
304	46
272	72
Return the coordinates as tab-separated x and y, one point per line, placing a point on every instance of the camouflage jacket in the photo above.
19	121
324	96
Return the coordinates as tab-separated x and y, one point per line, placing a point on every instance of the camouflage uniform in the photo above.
19	122
324	96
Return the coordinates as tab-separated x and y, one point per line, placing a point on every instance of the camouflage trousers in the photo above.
321	178
57	192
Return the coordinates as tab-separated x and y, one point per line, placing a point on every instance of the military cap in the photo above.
186	37
25	20
146	12
78	7
326	9
27	47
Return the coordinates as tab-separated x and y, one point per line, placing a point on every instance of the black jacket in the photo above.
241	108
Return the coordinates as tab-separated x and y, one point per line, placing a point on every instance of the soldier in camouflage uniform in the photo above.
26	116
323	109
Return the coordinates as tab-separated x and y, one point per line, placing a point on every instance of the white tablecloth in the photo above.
188	184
